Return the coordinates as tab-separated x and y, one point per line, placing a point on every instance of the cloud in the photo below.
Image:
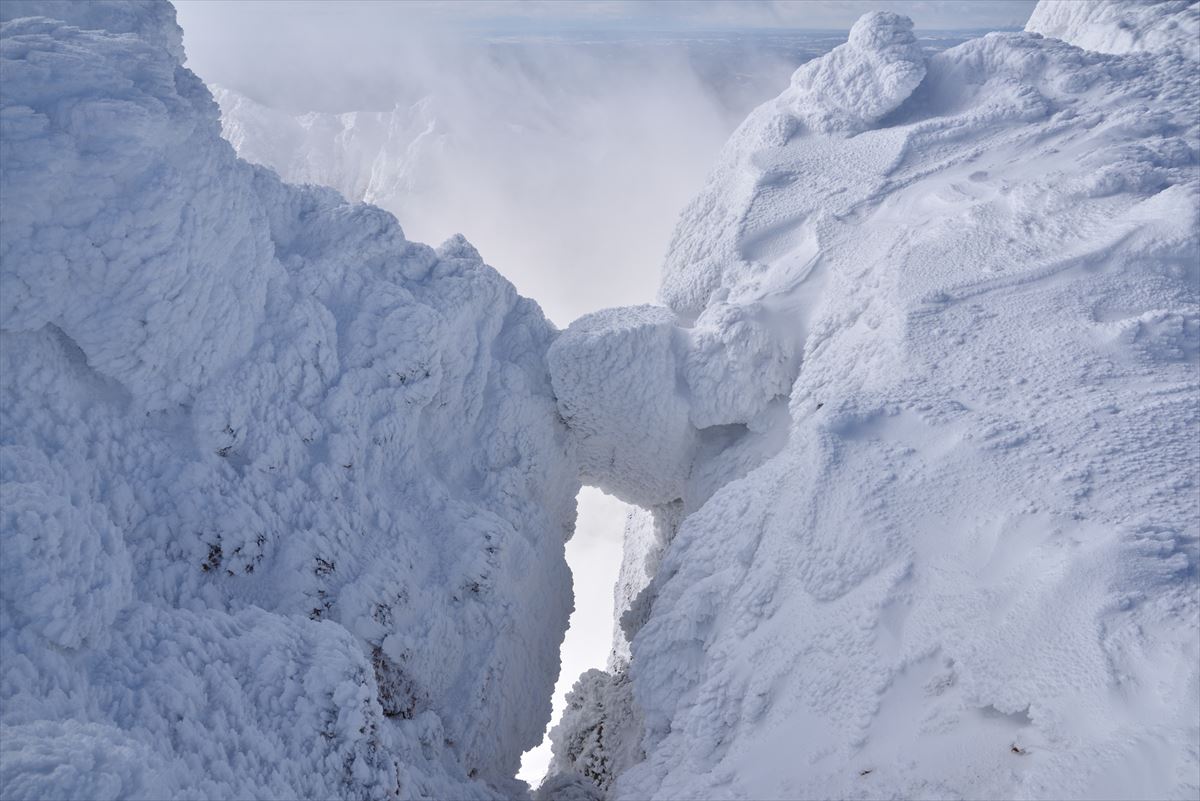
568	152
366	20
564	159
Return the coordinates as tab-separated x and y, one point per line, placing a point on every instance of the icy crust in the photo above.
283	496
597	737
968	568
127	232
739	361
1121	26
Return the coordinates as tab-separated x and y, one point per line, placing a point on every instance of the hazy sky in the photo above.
534	15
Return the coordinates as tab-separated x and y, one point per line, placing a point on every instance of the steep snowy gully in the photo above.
913	437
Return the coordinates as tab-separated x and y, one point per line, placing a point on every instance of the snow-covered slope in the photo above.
284	494
914	434
952	553
1130	26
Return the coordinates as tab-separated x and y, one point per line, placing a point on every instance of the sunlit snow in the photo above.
912	437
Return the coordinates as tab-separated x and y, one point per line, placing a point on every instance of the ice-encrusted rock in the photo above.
965	567
616	376
68	573
1121	26
283	495
598	735
380	157
642	394
857	83
148	20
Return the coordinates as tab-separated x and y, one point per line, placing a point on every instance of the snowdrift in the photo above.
952	553
284	494
1126	27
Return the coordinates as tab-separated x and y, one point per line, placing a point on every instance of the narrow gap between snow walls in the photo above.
594	557
648	396
285	495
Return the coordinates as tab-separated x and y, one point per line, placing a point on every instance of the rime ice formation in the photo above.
1130	26
284	495
630	423
959	560
874	72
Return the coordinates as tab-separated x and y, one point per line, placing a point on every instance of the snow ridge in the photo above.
1128	26
375	156
959	559
284	495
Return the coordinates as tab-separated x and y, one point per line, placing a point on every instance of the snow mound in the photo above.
859	82
283	495
845	92
964	564
1121	26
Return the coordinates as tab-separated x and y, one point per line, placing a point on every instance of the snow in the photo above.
529	146
859	82
1131	26
284	494
614	380
964	563
914	434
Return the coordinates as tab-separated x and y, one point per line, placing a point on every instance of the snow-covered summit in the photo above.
283	495
874	72
958	557
1121	26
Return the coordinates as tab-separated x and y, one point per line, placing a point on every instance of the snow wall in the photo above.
284	494
930	529
914	435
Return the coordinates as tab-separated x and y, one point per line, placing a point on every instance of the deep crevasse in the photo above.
913	434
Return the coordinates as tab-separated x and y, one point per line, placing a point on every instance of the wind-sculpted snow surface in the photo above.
859	82
1121	26
964	563
284	495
